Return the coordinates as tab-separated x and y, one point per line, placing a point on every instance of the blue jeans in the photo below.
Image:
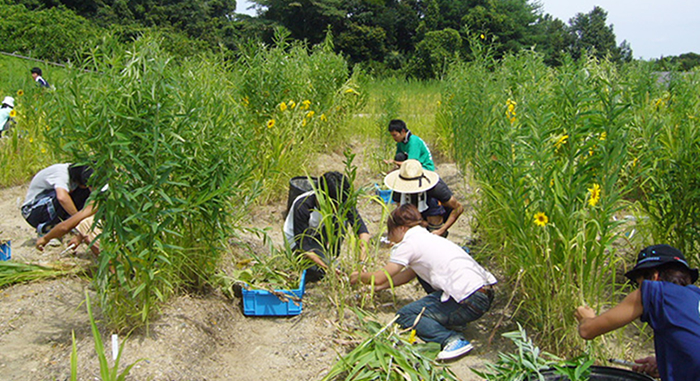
432	326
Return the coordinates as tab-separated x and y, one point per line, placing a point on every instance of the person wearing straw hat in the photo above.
412	184
669	302
8	104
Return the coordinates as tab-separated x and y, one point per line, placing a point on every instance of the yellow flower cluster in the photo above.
510	110
305	104
594	195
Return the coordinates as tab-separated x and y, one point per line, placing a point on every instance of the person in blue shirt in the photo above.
669	302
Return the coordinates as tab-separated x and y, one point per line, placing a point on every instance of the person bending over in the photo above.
304	226
464	289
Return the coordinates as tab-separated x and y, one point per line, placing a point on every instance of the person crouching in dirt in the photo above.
428	192
669	302
56	193
305	230
465	289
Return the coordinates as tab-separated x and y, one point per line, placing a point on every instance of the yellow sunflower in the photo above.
13	113
20	93
270	123
283	106
594	195
541	219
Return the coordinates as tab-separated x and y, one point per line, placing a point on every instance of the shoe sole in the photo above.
454	354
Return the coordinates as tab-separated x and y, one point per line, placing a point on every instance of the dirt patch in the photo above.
200	337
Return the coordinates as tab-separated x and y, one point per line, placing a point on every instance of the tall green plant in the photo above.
547	149
167	139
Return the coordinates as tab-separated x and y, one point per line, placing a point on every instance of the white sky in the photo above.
653	28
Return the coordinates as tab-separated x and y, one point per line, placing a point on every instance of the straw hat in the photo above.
411	178
9	101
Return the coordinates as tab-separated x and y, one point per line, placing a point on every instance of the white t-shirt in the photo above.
441	263
55	176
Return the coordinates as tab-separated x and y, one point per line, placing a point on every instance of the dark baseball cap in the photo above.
657	255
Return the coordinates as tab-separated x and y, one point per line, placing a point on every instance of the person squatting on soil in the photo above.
56	193
464	289
37	75
409	146
412	184
304	230
669	302
6	120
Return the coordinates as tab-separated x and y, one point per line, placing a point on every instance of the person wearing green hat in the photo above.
669	302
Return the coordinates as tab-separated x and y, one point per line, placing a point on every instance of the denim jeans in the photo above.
432	326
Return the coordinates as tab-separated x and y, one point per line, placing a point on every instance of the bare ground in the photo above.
201	337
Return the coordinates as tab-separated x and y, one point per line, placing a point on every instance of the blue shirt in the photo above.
673	312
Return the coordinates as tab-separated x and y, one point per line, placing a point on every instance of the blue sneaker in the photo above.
454	349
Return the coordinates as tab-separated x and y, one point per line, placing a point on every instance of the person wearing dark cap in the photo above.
56	193
669	302
36	74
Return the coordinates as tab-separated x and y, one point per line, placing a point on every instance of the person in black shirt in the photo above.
304	229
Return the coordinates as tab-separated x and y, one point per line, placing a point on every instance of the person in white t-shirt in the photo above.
463	288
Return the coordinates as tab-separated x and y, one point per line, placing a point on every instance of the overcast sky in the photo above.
653	28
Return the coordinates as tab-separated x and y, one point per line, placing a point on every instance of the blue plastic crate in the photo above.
5	251
264	303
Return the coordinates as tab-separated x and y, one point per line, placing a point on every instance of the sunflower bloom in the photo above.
43	150
541	219
310	114
304	122
594	195
13	113
412	337
482	36
31	140
603	136
305	104
270	123
291	104
283	106
323	117
20	93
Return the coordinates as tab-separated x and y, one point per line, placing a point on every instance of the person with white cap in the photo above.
8	104
669	302
412	184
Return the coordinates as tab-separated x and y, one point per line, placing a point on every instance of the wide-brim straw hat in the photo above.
411	178
9	101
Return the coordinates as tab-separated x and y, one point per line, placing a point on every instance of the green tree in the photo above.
362	43
434	54
590	34
305	19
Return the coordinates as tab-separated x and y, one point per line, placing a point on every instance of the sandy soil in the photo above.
200	337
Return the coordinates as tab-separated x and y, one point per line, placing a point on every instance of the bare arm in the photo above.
591	326
402	277
457	210
380	276
66	202
66	226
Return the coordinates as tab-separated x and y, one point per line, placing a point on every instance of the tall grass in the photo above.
25	149
547	148
165	137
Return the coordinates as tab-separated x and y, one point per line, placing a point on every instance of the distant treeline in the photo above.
416	38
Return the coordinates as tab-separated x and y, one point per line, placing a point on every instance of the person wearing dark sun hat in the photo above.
669	302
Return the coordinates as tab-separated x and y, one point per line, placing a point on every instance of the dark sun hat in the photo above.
657	255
